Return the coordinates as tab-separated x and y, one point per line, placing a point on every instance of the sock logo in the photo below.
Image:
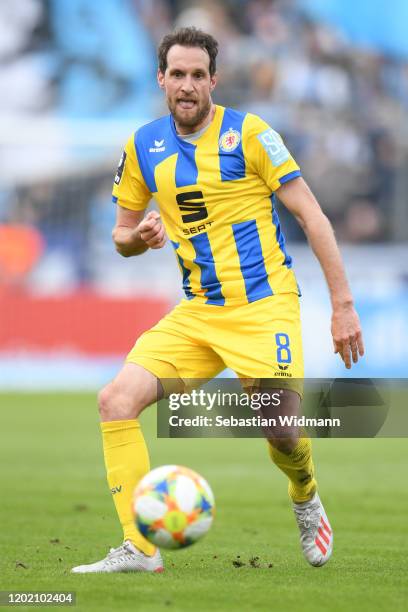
115	490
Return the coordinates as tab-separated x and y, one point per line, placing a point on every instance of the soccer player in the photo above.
213	172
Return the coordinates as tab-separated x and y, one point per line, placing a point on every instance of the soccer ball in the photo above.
173	506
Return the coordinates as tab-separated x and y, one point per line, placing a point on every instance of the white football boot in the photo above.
125	558
316	535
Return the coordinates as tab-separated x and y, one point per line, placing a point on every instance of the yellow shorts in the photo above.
261	339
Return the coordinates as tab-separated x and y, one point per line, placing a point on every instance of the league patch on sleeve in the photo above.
121	166
273	145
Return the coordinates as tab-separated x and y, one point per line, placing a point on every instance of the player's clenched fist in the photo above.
151	230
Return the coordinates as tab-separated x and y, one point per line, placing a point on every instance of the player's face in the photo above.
188	85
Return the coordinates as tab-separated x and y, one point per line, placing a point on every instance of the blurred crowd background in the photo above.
78	76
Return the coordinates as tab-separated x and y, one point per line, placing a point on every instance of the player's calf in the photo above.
282	433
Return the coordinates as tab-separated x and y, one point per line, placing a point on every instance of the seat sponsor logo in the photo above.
192	205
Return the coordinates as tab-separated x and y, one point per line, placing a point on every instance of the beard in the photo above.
189	119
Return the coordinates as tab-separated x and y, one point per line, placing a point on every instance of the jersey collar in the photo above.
216	121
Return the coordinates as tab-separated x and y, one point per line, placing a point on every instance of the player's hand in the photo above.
151	230
347	334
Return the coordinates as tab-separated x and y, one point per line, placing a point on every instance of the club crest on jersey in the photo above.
229	140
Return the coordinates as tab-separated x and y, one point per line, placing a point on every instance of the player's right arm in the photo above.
134	233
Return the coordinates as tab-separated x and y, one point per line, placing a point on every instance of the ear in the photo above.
213	82
160	79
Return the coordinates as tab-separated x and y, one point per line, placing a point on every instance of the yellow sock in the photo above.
127	461
298	466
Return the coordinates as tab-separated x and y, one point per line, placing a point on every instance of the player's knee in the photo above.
115	404
105	402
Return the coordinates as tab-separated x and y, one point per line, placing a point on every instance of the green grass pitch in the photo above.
56	512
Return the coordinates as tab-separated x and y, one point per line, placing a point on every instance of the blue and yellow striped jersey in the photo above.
216	201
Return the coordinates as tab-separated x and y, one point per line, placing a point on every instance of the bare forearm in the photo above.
301	202
321	238
128	241
133	234
345	327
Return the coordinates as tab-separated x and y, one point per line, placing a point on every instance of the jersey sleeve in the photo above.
129	187
266	153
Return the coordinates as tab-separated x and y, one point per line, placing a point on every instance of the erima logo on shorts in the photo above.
273	145
158	147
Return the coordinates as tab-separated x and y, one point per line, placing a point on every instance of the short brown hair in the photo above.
188	37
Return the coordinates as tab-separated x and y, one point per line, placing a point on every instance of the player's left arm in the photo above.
345	325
